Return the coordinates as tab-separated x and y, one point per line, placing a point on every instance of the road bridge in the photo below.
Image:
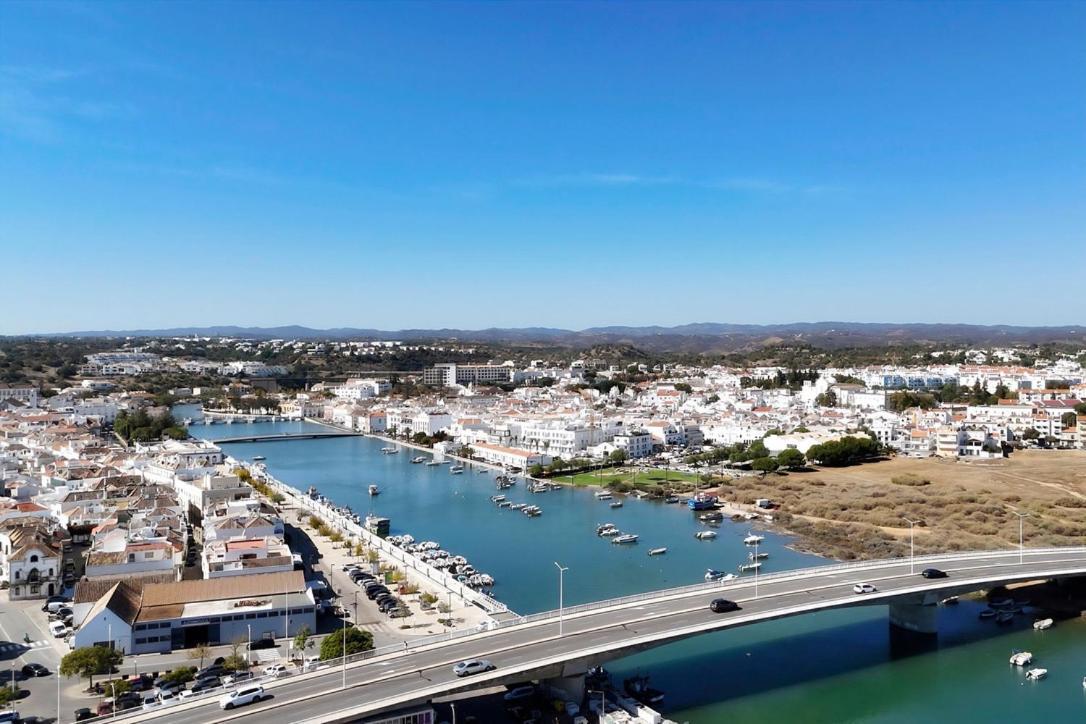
275	437
564	644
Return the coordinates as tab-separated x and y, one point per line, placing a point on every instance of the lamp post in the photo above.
603	701
1021	547
249	646
561	576
912	548
757	565
343	651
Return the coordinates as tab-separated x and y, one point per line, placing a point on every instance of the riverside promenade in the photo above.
467	608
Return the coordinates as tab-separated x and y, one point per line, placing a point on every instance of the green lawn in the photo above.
630	476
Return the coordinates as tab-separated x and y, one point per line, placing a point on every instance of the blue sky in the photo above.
562	164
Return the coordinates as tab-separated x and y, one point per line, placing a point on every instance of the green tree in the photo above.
302	640
536	470
90	661
764	465
758	449
791	459
356	641
1068	419
618	456
1030	434
9	694
827	399
1080	408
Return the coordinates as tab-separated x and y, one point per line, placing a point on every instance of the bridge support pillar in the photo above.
572	686
913	625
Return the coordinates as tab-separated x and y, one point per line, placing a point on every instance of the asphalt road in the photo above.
520	651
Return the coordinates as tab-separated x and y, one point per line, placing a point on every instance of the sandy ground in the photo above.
860	511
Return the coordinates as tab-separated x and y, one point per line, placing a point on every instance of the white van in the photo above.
59	629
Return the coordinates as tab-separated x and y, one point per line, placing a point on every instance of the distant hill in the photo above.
694	338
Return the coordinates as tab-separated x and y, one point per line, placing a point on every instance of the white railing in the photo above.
442	579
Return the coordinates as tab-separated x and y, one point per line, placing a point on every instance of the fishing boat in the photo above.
610	533
602	527
432	463
616	504
258	458
374	490
701	501
752	556
625	538
705	534
456	469
532	511
752	539
638	687
389	450
657	551
671	499
1036	674
713	517
497	498
518	506
603	495
1021	658
748	567
418	459
1043	625
711	574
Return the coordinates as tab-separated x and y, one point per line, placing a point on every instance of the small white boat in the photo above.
757	557
753	538
456	469
616	504
258	458
705	534
497	498
374	490
625	538
418	459
603	495
747	567
432	463
950	601
986	613
1036	674
390	450
1021	658
1043	625
657	551
711	574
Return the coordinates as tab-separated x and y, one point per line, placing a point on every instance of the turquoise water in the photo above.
828	667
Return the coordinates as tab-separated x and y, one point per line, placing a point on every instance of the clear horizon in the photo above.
475	165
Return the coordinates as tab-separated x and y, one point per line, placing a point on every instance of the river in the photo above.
836	666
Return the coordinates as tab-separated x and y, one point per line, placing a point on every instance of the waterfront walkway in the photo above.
281	436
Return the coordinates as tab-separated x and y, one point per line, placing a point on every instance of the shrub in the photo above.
910	479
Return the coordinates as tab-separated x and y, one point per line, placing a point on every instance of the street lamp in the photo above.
561	576
249	647
1021	547
757	565
343	651
603	701
912	548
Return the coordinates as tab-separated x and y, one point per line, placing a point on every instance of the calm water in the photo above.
828	667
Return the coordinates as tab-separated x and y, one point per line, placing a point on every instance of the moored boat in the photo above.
418	459
374	490
657	551
1021	658
705	534
753	538
1043	625
625	538
616	504
1036	674
748	567
603	495
456	469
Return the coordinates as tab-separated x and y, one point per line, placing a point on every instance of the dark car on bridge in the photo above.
933	573
723	605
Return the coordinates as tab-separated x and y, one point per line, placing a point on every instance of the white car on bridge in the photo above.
472	666
863	588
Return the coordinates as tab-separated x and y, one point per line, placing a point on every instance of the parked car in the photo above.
53	603
723	605
237	676
206	684
373	593
863	588
215	670
311	663
519	692
83	714
276	670
35	669
262	644
933	573
241	697
10	716
472	666
59	629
